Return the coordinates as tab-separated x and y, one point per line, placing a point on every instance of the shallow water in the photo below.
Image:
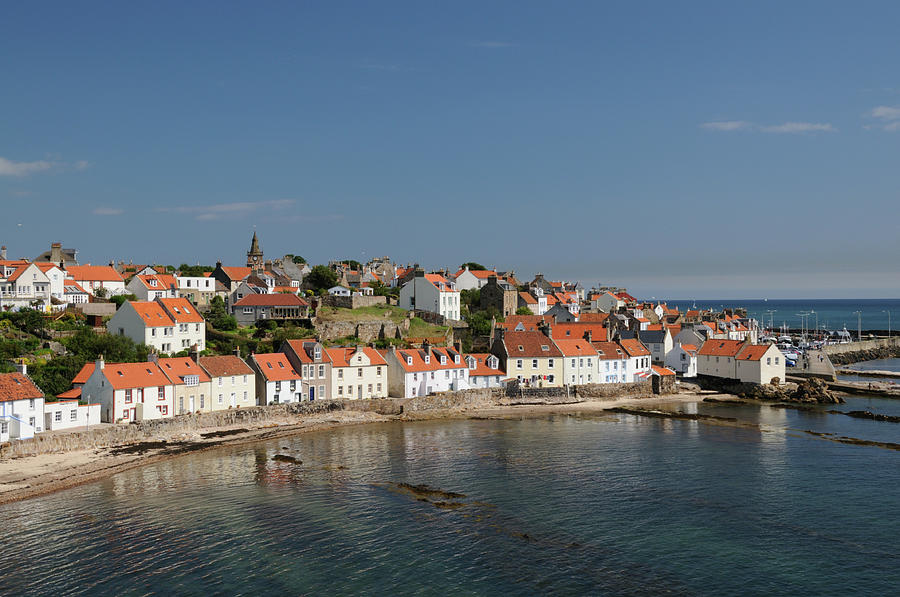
615	505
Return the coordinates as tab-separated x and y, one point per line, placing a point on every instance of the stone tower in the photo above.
255	255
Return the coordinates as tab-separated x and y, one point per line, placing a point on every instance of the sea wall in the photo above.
114	435
867	350
453	400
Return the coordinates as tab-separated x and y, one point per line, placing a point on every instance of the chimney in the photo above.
194	353
545	329
3	252
237	351
426	346
457	346
99	364
218	264
588	335
153	357
22	368
419	273
55	252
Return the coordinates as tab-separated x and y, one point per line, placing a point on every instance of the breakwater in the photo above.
867	350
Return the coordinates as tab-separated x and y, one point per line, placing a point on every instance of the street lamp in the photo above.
889	322
817	323
858	325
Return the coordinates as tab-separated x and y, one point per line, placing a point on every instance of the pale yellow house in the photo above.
357	373
192	384
232	382
530	357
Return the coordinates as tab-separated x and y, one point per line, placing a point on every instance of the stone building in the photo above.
500	295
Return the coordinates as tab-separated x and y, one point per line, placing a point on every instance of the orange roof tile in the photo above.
662	370
275	366
84	374
93	273
753	352
721	348
74	393
152	314
177	368
340	356
481	366
634	347
418	359
15	386
529	344
237	273
123	376
576	348
609	351
219	366
181	310
271	300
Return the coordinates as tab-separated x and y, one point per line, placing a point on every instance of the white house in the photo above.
612	362
339	291
56	277
420	372
579	361
21	406
358	373
23	285
467	279
277	381
74	294
431	292
94	277
153	286
129	391
638	366
741	360
69	414
169	325
658	342
683	359
485	371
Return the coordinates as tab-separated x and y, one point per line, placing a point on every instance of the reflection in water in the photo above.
565	504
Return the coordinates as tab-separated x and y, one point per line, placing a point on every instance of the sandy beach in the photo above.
30	476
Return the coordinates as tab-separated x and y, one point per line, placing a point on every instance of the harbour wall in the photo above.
866	350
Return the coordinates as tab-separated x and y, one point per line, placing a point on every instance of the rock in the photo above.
815	390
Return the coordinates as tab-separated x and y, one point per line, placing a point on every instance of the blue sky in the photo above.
679	149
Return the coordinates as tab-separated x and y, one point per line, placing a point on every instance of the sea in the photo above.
773	502
828	314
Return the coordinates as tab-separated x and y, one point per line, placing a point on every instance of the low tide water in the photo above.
571	505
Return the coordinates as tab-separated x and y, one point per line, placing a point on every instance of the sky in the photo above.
682	150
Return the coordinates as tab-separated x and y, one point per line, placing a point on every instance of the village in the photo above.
202	339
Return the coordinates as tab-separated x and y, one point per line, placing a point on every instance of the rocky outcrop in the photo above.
810	391
815	390
871	354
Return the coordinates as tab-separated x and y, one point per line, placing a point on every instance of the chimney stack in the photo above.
3	252
426	346
99	364
194	353
237	351
545	329
21	367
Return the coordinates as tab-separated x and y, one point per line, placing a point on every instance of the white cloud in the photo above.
223	210
11	168
108	211
786	128
799	127
726	125
889	117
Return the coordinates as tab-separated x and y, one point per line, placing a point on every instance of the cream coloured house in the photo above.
191	383
357	373
530	357
232	381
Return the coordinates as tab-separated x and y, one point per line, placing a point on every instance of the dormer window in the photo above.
456	359
317	353
409	361
443	360
520	348
427	359
545	348
153	282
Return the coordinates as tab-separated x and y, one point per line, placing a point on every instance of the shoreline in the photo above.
33	476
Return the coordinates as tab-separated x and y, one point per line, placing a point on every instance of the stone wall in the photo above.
114	435
452	400
867	350
352	302
366	331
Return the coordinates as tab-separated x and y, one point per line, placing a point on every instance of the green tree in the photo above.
320	278
295	258
120	299
101	292
218	316
473	266
352	263
524	311
195	271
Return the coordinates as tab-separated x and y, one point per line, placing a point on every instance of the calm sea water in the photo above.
834	314
570	505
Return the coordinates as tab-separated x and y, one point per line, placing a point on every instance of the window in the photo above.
378	372
573	362
359	372
370	389
415	377
322	391
57	416
247	310
232	380
161	393
534	363
73	415
776	360
379	387
549	363
340	390
447	374
163	410
550	378
4	427
768	360
245	379
202	404
340	374
432	375
220	398
322	371
245	396
127	396
518	363
220	382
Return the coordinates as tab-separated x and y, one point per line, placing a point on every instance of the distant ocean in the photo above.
833	314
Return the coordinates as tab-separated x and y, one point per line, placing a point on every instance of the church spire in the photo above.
255	255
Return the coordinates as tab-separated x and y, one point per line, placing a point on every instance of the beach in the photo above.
30	476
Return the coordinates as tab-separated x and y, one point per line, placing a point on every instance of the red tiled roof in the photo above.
340	356
689	347
592	317
483	274
753	352
74	393
219	366
298	347
609	351
271	300
73	286
662	370
163	281
418	359
634	347
529	344
237	273
15	386
481	367
181	310
720	348
576	348
275	366
577	329
84	374
177	368
526	296
152	314
93	273
439	282
123	376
